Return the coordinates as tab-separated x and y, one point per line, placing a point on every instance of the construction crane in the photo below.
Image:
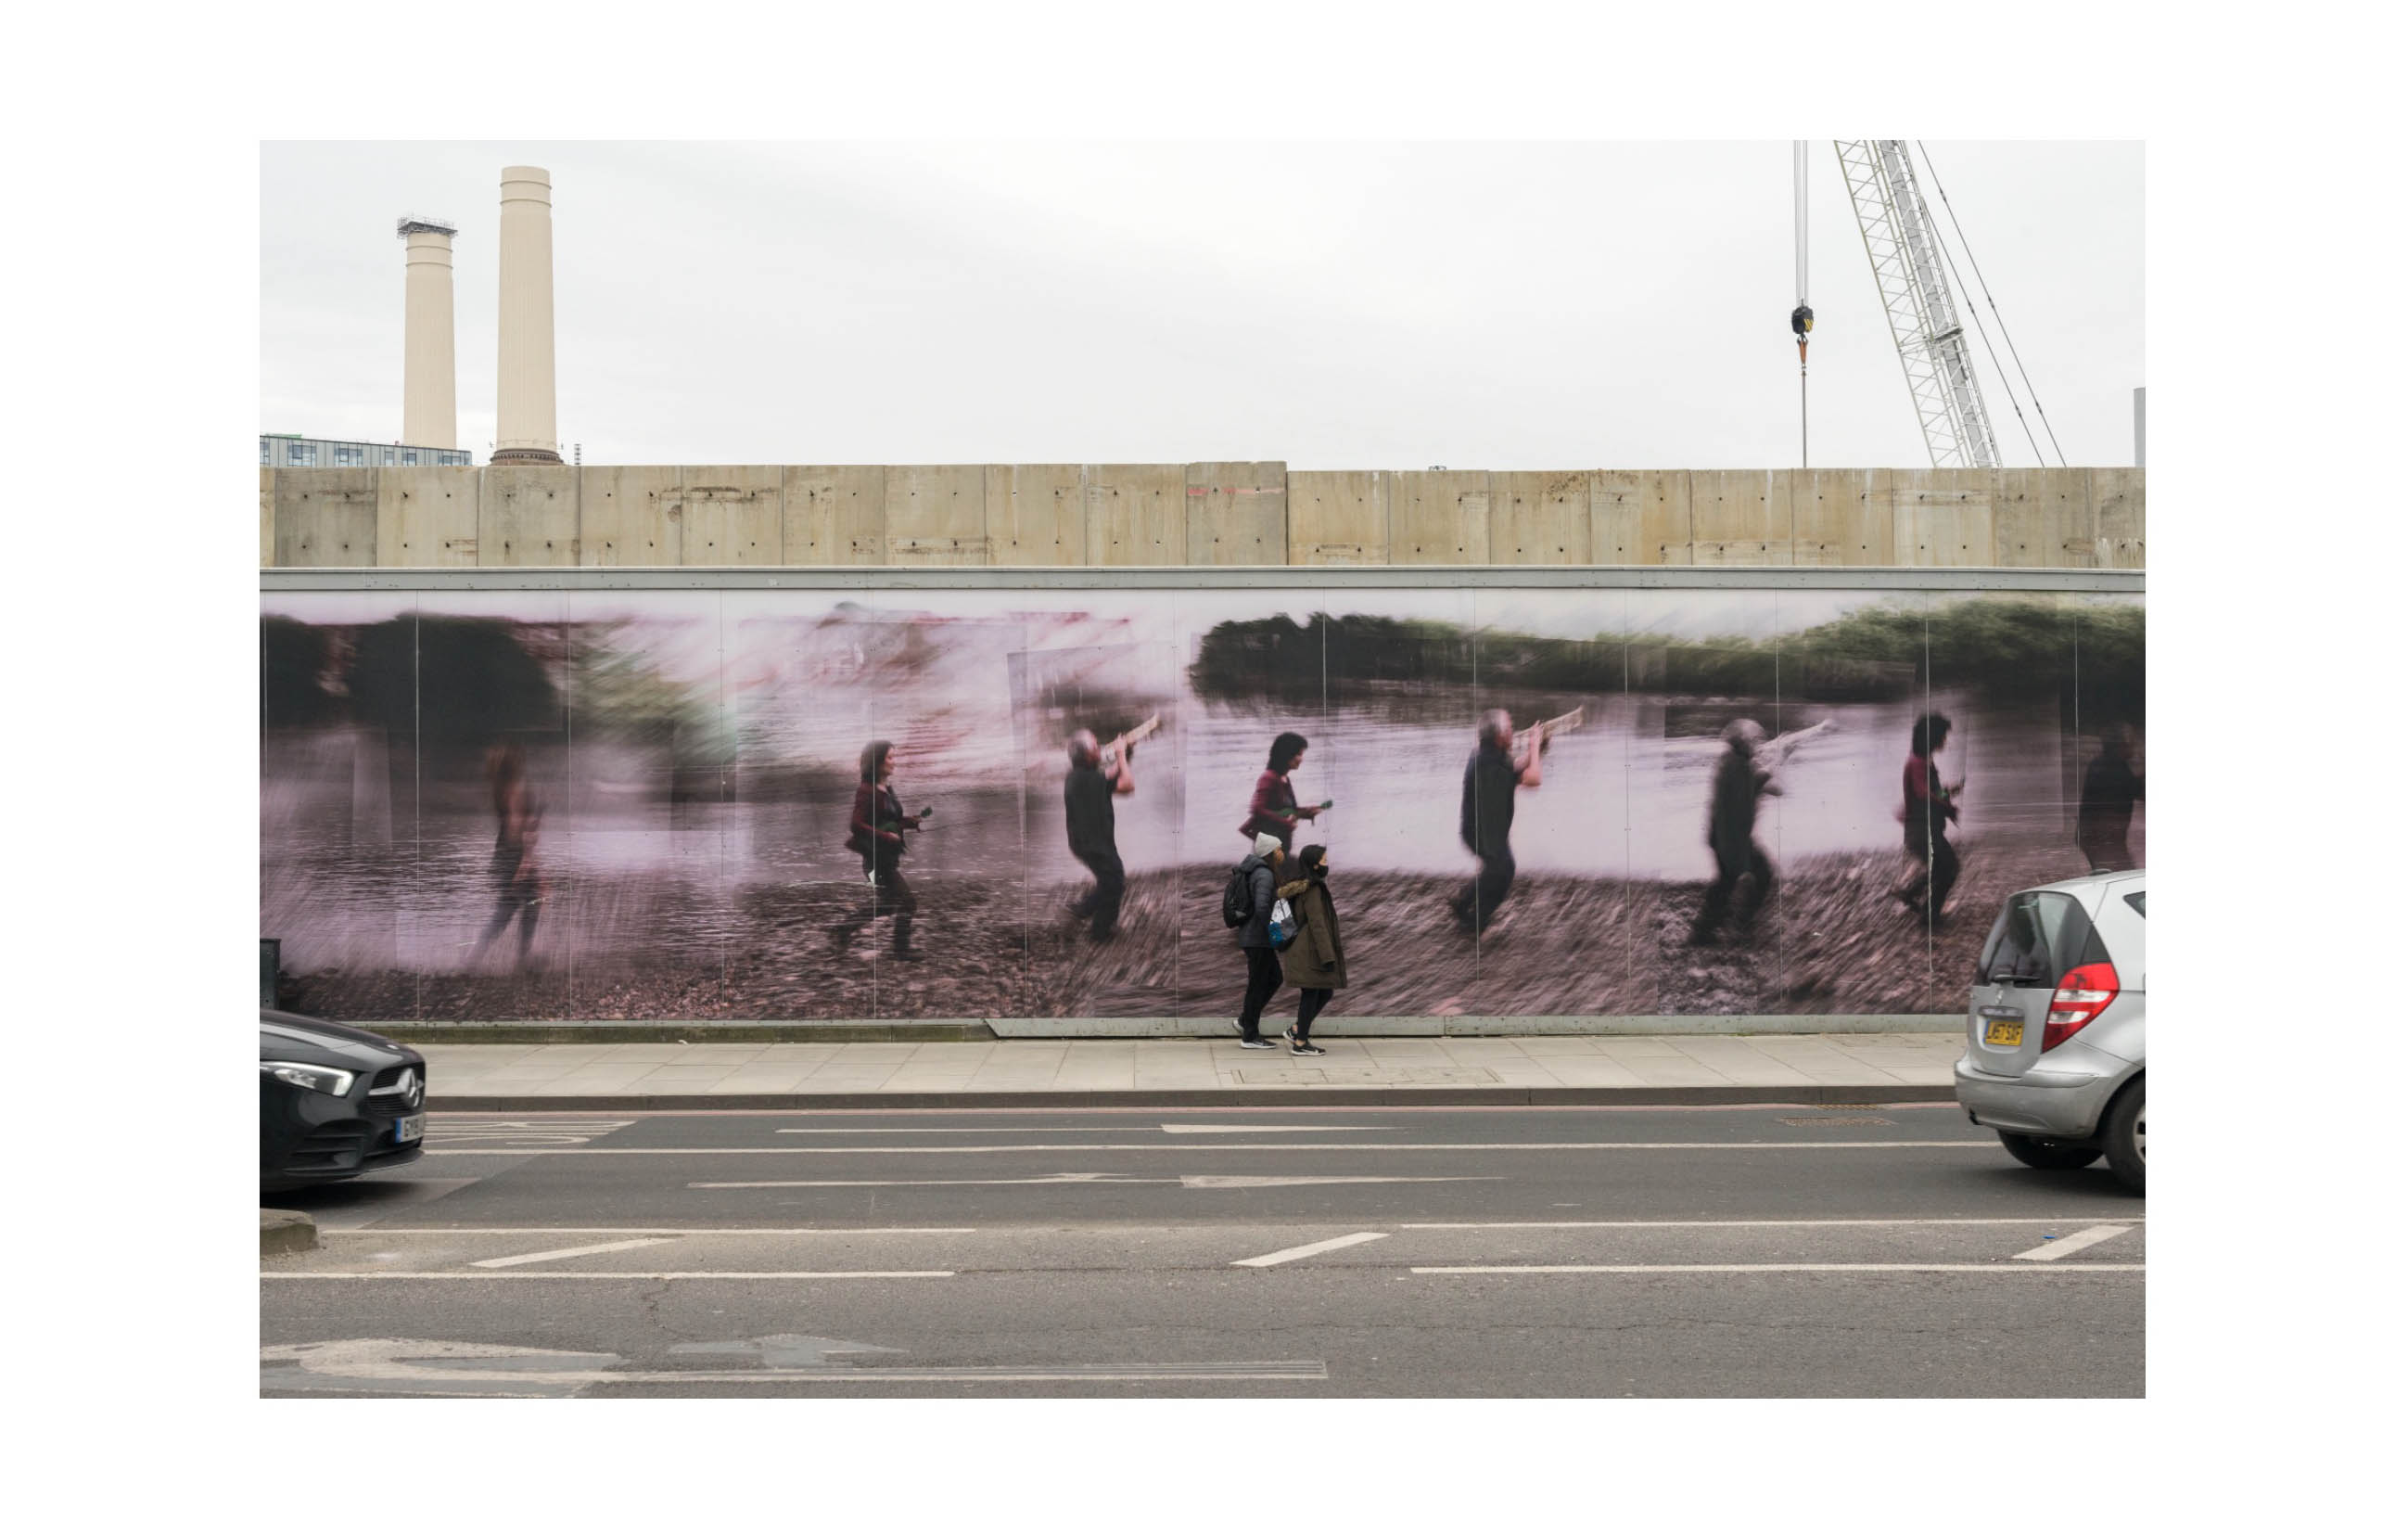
1908	269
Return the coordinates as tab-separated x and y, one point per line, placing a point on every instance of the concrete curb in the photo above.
286	1231
1203	1097
987	1030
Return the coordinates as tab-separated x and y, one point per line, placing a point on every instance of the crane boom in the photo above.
1904	247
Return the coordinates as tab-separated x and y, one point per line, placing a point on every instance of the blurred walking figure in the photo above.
1260	873
2108	789
517	877
1087	793
1930	805
1489	781
1274	811
1741	779
877	827
1316	961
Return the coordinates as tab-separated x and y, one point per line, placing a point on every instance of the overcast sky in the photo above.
1337	305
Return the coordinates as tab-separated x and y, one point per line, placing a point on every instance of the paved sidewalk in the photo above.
1556	1069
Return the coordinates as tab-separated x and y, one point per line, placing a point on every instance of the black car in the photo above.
335	1101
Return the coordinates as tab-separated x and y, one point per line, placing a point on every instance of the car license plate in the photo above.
2001	1032
407	1131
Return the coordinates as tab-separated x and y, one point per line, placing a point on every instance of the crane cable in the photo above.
2037	409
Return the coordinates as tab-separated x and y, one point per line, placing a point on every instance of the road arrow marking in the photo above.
1289	1254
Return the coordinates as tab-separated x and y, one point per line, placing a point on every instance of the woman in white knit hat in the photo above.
1263	975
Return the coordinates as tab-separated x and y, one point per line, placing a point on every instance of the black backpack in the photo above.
1238	897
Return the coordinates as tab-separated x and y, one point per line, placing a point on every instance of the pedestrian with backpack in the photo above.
1246	905
1316	957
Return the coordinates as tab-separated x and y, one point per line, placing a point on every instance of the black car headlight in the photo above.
317	1079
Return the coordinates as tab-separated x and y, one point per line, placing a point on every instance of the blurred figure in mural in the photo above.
1095	777
1741	779
877	827
518	878
2109	790
1930	805
1274	811
1490	780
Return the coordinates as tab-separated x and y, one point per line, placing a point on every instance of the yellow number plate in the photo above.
2003	1032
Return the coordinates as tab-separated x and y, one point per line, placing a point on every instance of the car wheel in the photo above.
2126	1133
2049	1156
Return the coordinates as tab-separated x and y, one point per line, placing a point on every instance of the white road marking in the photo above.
1984	1147
424	1367
569	1253
596	1273
384	1201
1918	1220
1257	1129
1209	1181
1782	1268
524	1134
956	1129
655	1232
1114	1180
1289	1254
941	1183
2048	1252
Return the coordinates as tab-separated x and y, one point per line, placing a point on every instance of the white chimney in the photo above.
526	430
430	416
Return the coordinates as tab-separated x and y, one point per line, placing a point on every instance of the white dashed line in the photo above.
1567	1226
598	1273
1289	1254
1962	1145
2048	1252
1263	1129
569	1253
1782	1268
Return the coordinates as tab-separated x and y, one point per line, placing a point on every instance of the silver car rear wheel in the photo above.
2125	1134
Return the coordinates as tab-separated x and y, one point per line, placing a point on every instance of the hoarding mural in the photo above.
982	803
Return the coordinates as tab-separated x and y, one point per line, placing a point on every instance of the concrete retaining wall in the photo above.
1192	514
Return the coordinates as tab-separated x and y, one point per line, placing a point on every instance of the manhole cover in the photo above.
1837	1119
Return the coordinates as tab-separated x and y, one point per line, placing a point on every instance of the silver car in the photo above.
2054	1050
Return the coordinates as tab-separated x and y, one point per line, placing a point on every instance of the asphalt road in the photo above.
1740	1252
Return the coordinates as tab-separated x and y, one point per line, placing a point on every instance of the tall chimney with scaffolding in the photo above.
430	415
525	430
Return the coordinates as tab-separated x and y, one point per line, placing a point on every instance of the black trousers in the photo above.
1730	866
520	902
1308	1003
890	894
1939	875
1103	903
1263	977
1486	893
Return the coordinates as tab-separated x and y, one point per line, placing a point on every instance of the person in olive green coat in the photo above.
1316	961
